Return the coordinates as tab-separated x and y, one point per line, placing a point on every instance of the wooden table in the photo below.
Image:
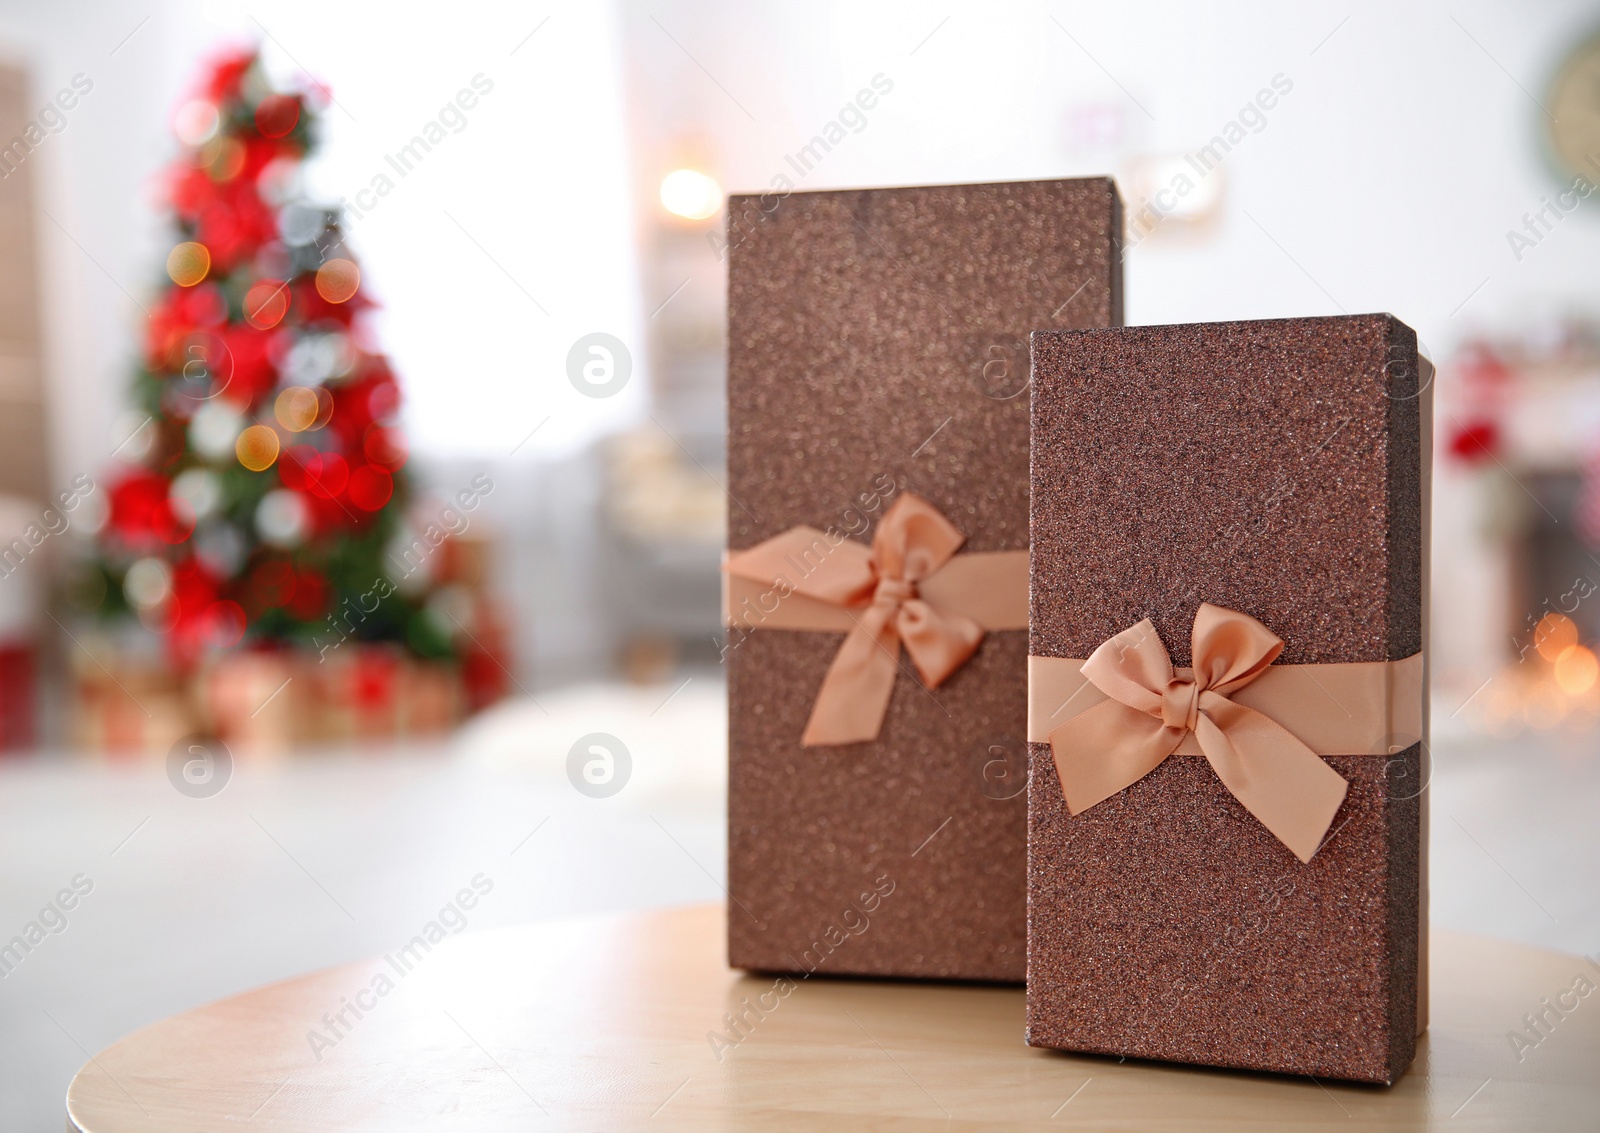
604	1024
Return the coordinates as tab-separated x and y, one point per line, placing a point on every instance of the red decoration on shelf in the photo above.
1475	442
1484	379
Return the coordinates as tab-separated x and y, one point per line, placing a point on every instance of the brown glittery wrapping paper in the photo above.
1273	468
878	338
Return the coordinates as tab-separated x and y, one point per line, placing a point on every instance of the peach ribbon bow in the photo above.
1113	745
881	592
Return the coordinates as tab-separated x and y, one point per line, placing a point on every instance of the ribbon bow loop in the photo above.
1152	707
912	542
888	596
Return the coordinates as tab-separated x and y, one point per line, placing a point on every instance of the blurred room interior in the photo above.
1411	164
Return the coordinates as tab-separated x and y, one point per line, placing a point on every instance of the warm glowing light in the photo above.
1554	635
337	280
266	303
297	408
188	263
324	407
1576	670
690	194
257	448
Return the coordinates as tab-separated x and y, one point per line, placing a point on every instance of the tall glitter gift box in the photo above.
1227	715
876	579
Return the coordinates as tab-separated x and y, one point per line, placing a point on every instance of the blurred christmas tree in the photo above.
268	483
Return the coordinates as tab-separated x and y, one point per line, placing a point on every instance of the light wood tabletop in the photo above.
609	1023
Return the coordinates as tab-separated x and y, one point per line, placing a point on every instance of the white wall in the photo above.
1386	180
537	177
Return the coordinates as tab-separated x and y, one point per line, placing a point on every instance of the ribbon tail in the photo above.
1107	749
854	696
1283	783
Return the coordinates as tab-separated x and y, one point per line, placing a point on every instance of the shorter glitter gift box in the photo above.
1226	694
877	565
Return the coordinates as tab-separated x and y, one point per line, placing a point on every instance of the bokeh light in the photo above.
327	475
1554	635
214	429
324	406
690	194
266	303
147	584
298	408
277	115
283	518
188	263
196	494
196	122
370	487
384	447
257	447
223	158
224	624
1576	670
337	280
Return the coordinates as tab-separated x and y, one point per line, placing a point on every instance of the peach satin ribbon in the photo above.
1152	709
910	589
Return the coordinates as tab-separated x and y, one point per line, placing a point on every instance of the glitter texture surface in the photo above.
1271	467
877	343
